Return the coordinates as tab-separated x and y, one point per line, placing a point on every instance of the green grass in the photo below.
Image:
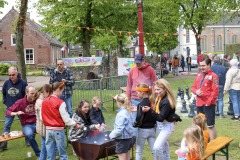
225	127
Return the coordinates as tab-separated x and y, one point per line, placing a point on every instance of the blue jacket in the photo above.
13	91
220	71
123	128
96	116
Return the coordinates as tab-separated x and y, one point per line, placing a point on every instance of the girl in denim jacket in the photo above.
122	132
144	121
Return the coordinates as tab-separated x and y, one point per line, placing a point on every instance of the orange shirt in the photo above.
193	155
206	138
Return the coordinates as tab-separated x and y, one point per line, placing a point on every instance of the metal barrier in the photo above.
103	88
111	86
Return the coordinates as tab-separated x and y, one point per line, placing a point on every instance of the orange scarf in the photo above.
159	98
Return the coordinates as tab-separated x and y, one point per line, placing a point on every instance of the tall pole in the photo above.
140	28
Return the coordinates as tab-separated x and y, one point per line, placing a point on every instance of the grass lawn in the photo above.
17	149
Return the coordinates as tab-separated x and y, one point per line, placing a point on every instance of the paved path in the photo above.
36	81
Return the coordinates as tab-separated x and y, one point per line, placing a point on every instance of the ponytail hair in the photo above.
57	85
123	99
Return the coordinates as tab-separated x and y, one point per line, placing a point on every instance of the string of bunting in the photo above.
126	32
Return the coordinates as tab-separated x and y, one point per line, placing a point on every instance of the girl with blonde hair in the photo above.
122	132
195	143
144	121
164	113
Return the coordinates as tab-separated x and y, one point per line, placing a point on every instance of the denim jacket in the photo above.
122	126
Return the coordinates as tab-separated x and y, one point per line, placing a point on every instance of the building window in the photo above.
13	40
219	43
234	39
187	36
29	56
204	43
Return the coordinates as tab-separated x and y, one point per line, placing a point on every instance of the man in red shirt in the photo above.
206	89
24	108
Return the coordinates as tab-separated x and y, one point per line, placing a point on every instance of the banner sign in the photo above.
124	65
82	61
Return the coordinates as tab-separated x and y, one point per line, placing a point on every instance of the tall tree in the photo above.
196	14
19	37
74	20
161	20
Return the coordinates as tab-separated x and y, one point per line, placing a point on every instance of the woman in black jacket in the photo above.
164	113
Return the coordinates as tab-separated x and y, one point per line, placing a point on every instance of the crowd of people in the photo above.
146	111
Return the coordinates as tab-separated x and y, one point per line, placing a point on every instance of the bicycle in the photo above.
48	70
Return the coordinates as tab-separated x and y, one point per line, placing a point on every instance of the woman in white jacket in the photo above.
232	85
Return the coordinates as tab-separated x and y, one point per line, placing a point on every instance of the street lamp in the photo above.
140	28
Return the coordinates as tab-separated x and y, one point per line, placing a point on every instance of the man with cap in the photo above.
141	73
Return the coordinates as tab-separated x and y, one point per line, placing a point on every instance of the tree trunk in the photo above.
120	47
19	38
198	42
86	43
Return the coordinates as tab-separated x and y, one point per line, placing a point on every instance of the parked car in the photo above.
194	63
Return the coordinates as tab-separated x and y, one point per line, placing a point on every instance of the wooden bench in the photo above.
219	144
11	138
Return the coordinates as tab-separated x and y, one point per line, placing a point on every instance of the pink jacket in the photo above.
144	75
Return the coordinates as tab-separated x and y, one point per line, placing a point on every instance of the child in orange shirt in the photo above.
201	121
194	149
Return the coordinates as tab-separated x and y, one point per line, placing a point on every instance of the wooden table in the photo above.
12	138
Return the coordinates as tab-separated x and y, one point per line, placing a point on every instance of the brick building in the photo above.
39	47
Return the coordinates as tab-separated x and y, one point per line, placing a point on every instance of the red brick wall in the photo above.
33	39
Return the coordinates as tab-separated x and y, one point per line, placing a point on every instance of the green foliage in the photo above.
2	3
232	48
4	68
61	18
161	19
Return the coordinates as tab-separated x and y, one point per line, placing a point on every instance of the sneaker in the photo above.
3	145
235	118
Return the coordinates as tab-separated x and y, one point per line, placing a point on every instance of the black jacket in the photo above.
144	120
166	111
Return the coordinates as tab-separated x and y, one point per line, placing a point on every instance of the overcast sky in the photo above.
31	10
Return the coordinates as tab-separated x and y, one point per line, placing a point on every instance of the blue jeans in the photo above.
143	135
55	139
175	70
189	67
134	102
235	98
8	123
161	147
68	102
220	99
29	130
43	154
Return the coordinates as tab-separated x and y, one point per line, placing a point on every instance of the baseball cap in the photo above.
138	58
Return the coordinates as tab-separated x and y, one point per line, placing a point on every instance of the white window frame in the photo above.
234	39
204	43
13	36
219	43
25	56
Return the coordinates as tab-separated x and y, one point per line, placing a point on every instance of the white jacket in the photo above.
232	79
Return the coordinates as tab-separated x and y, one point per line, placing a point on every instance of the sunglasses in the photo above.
59	64
11	75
